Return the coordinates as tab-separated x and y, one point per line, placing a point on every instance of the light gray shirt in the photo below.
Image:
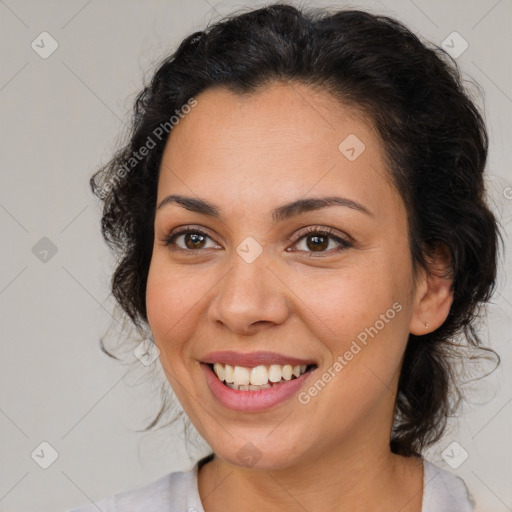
178	492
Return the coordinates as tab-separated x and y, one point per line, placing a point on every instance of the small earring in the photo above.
426	326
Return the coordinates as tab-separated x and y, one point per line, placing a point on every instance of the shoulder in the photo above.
171	493
444	492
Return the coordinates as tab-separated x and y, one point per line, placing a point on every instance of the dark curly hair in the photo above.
436	148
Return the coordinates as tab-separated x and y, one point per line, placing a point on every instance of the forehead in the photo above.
282	141
283	114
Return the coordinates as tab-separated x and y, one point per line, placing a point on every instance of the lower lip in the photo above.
252	401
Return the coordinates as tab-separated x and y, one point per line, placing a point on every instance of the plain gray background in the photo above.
61	119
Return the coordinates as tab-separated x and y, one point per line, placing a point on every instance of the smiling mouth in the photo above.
257	378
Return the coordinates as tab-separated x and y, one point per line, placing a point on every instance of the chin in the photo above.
258	453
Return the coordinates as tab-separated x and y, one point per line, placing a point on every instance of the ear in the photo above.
433	295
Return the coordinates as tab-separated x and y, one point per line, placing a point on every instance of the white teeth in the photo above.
274	373
257	388
228	373
258	377
219	370
287	371
241	375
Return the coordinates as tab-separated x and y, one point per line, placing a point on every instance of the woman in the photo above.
301	223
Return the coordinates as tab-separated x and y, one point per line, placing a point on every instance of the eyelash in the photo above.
326	232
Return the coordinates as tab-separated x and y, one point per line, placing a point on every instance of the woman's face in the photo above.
256	277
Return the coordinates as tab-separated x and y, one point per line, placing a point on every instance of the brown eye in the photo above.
317	243
193	240
320	241
188	240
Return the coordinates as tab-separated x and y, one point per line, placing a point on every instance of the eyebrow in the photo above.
280	213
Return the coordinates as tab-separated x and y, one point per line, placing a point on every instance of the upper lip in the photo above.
252	359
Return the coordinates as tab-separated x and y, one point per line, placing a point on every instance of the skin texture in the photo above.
248	154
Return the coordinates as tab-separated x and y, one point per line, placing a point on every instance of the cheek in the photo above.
364	327
172	300
347	299
367	304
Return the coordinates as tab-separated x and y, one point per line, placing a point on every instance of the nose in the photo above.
251	296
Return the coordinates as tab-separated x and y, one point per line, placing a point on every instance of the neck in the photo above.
356	479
